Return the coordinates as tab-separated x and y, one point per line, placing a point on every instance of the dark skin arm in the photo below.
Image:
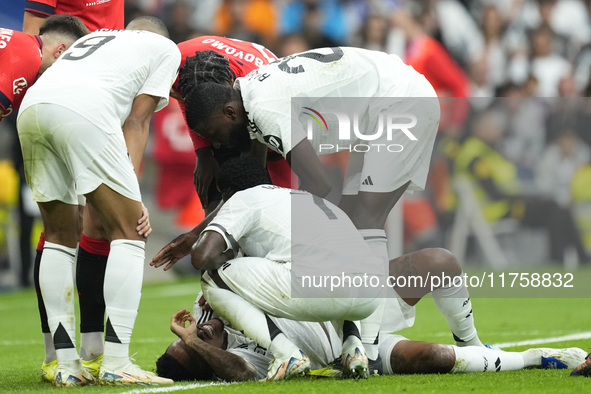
208	253
226	366
181	245
206	168
304	161
137	127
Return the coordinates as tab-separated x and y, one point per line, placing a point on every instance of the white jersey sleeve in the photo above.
258	221
233	221
162	75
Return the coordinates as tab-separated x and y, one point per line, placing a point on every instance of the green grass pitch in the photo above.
498	321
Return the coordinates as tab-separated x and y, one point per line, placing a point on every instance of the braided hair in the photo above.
205	66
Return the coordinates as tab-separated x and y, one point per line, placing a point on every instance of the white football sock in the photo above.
370	326
454	303
49	349
247	318
122	292
481	359
56	281
91	345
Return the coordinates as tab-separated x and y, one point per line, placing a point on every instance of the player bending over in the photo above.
87	140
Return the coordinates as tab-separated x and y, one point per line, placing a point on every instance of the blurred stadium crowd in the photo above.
513	77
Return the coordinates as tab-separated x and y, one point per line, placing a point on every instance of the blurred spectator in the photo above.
481	90
321	21
456	27
548	67
496	187
494	55
292	43
374	33
558	166
525	135
248	20
178	22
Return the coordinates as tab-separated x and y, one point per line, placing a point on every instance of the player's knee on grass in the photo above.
412	357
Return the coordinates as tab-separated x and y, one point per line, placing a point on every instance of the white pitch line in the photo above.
175	388
541	341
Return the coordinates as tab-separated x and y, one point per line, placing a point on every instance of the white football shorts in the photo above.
383	165
267	285
66	156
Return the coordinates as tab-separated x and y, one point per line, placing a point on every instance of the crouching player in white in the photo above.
262	220
351	93
76	127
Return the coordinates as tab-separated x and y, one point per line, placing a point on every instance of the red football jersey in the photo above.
98	14
20	60
243	57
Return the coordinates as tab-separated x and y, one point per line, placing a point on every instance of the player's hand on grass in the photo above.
178	324
174	251
206	168
144	229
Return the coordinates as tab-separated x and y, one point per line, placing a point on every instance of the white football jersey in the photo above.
102	73
326	72
286	225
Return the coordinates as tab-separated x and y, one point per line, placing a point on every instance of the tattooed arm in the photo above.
226	366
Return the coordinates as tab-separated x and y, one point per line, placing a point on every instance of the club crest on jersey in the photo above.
18	85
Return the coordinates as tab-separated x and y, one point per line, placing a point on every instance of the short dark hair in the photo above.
241	173
204	66
203	101
156	25
64	25
168	366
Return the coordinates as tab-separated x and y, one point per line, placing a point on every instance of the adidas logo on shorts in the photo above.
367	181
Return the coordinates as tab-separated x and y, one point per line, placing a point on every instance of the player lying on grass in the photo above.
210	350
275	242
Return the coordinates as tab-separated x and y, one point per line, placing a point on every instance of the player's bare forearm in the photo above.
136	139
306	165
137	127
226	365
181	245
32	22
208	253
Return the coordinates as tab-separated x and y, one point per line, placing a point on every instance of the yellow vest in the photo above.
489	164
581	196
